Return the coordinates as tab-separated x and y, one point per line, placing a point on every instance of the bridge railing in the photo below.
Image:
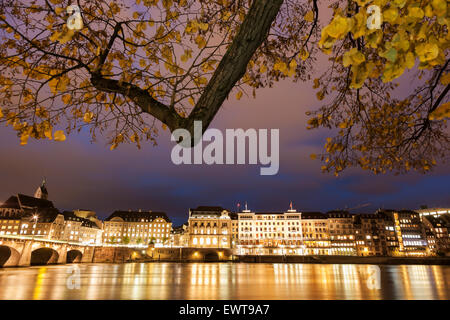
40	239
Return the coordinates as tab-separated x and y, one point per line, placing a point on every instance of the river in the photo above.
223	281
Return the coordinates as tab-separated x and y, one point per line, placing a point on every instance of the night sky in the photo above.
86	175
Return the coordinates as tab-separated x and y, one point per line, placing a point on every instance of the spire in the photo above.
41	192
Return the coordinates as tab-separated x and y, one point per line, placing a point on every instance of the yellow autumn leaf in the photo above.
304	54
88	117
67	98
203	26
410	60
59	135
200	41
445	80
191	101
24	139
390	15
313	156
320	95
262	69
316	83
309	16
239	95
48	133
338	27
1	113
427	51
415	13
439	7
353	57
441	112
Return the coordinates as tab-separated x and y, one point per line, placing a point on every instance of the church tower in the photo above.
42	192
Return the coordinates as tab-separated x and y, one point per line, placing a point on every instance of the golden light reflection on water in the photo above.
161	281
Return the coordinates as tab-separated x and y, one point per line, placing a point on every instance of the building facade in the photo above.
269	233
316	233
437	230
210	227
342	233
179	237
137	228
409	230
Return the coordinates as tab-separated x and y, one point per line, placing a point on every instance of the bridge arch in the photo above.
44	255
74	256
9	257
211	256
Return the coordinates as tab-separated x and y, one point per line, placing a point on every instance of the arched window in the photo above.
194	241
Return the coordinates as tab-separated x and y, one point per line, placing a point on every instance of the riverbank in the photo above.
121	255
345	260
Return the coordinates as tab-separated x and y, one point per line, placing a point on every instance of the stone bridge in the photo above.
18	251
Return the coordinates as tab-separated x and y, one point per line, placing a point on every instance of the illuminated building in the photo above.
209	227
137	228
234	229
277	233
438	240
10	225
78	229
179	236
371	235
316	234
342	233
38	216
432	211
409	230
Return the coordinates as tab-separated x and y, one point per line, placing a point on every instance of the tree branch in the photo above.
233	65
252	33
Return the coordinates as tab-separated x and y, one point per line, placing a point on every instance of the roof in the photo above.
388	211
208	208
339	214
437	222
313	215
11	217
234	216
32	202
11	203
45	215
179	229
71	216
137	216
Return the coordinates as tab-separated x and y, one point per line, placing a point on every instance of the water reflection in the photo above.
163	281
